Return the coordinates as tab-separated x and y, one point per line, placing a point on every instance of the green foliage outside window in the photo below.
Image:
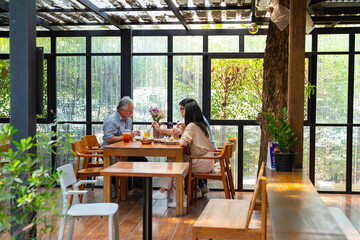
236	88
5	89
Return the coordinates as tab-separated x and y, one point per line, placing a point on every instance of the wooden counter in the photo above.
296	210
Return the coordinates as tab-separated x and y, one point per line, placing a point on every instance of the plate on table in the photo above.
173	142
159	140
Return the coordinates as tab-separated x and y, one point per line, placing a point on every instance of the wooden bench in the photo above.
230	218
344	223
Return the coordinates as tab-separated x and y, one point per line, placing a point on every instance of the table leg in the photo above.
179	156
123	184
147	209
179	196
107	181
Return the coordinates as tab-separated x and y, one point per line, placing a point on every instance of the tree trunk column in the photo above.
296	74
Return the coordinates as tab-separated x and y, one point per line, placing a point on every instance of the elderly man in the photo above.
114	126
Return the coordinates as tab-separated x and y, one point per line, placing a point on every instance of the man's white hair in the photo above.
124	103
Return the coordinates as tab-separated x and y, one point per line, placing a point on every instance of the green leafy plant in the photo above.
27	193
283	136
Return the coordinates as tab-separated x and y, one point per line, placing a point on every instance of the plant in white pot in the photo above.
284	138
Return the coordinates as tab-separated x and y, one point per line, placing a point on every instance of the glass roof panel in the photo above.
158	27
91	27
64	4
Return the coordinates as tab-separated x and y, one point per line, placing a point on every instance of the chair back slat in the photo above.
227	151
79	147
233	141
258	184
67	177
91	141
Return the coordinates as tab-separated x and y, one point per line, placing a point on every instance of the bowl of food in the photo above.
146	140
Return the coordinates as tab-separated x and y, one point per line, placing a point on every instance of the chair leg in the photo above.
226	187
116	224
62	228
111	237
230	176
71	228
93	185
195	188
117	188
188	194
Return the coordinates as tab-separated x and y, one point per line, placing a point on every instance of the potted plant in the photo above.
284	138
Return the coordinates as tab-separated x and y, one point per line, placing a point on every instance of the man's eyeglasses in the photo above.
182	108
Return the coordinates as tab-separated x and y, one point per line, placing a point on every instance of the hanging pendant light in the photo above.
253	27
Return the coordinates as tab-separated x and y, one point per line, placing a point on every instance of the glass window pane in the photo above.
71	88
76	131
45	97
187	44
251	153
224	43
45	43
330	158
308	43
43	152
332	89
5	88
254	43
357	42
306	151
236	88
98	131
356	160
357	89
4	45
70	44
105	44
150	85
221	135
106	86
150	44
187	75
333	42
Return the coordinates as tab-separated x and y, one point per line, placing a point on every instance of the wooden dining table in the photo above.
147	170
123	150
296	210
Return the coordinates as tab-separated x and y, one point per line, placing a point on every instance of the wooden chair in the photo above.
228	166
67	178
80	151
93	146
221	176
230	218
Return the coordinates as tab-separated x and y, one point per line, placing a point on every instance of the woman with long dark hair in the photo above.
197	138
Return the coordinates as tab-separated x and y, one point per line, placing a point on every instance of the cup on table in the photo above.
126	135
147	134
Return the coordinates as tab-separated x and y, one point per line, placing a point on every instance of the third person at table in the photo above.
203	188
196	136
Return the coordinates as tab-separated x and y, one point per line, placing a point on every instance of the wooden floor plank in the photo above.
165	223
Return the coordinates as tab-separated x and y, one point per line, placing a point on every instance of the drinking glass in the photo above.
147	134
126	135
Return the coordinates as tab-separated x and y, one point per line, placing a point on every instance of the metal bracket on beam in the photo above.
177	13
96	10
